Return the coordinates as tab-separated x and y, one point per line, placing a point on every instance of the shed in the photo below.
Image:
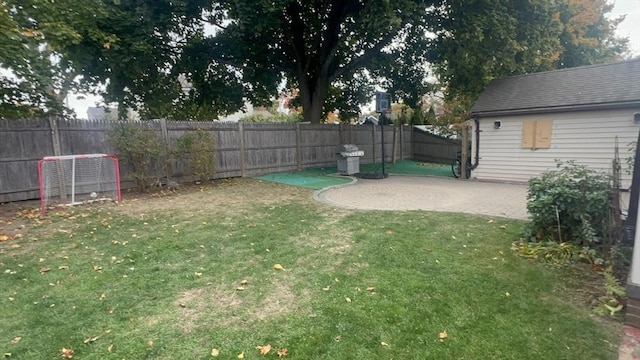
522	124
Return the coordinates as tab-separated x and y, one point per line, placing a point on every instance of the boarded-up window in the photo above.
536	134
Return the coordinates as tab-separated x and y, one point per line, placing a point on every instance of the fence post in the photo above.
57	151
394	149
373	138
165	132
463	161
401	142
55	136
243	160
298	148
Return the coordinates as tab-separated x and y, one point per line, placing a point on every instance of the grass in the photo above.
161	278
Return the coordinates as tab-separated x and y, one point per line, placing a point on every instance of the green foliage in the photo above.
34	52
142	150
198	148
486	39
612	301
154	56
277	117
570	204
631	159
558	253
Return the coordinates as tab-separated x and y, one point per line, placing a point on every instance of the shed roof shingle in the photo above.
573	88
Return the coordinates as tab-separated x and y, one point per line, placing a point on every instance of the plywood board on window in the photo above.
536	134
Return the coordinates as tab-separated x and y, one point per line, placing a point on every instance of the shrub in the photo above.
571	204
142	150
198	148
614	295
273	118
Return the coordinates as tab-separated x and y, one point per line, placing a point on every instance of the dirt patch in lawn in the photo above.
226	307
230	196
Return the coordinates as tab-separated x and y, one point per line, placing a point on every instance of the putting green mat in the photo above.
319	178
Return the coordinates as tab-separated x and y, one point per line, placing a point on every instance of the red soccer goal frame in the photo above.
41	180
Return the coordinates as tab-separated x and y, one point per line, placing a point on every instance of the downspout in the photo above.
477	157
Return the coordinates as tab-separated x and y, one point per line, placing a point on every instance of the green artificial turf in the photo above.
319	178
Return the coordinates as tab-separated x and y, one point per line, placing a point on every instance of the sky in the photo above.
630	28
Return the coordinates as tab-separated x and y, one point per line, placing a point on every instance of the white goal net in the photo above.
77	179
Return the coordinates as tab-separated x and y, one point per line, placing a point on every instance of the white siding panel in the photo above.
588	137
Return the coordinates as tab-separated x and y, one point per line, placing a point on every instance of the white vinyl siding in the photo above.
588	137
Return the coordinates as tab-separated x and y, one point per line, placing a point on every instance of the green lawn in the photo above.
162	278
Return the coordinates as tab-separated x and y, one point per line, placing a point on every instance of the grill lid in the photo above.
352	153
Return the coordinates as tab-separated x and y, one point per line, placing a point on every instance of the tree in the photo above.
36	77
321	47
588	36
480	40
162	58
330	51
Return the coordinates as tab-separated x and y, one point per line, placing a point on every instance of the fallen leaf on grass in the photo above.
443	335
503	226
389	232
348	300
283	352
89	340
110	348
15	246
277	267
384	344
102	296
63	267
4	238
240	288
66	353
150	343
16	340
44	270
490	221
215	352
97	267
264	350
244	282
241	355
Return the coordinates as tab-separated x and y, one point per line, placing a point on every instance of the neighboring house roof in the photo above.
581	88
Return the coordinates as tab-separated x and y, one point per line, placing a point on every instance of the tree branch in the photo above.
368	54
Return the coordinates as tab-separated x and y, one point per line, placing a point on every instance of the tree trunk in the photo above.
313	95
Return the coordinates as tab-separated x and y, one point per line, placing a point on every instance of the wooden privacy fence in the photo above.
433	148
242	149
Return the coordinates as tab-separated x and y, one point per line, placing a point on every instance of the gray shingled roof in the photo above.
585	87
